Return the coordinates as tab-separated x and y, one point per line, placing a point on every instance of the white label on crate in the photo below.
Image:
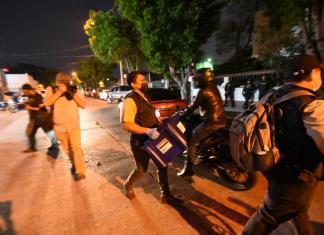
164	145
181	127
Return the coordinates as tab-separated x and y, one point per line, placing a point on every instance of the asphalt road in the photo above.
213	207
208	207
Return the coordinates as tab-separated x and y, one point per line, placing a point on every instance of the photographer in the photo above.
65	101
36	119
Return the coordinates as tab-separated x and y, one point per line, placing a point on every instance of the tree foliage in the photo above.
307	15
113	38
171	32
92	71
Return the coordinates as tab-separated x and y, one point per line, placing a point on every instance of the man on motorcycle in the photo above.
210	103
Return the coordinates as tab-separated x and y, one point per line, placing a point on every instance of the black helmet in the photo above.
204	76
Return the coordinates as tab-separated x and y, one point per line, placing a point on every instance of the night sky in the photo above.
45	32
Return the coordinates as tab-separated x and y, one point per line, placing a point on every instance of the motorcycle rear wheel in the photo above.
236	179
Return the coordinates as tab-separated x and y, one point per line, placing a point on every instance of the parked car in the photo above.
166	101
103	94
118	93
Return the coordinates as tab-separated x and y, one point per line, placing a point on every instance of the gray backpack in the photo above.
252	133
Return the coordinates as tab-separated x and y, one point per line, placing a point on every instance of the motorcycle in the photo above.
214	154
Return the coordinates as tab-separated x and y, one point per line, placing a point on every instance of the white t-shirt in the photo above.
313	119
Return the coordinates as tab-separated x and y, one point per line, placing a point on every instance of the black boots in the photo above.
187	168
167	197
129	192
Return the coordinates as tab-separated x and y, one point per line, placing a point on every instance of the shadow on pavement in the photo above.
6	224
200	211
250	209
318	228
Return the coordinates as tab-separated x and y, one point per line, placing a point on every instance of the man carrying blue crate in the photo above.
138	117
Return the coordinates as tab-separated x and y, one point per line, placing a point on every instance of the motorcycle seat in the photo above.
219	136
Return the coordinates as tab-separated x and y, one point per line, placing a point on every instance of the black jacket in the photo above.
209	100
298	149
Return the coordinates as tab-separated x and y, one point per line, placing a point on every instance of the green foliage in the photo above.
92	71
112	38
296	25
171	31
288	12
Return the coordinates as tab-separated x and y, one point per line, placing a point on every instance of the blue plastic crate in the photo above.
170	144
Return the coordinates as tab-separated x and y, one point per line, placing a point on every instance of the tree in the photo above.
307	15
171	32
92	71
113	39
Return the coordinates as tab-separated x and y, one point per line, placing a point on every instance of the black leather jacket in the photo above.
209	100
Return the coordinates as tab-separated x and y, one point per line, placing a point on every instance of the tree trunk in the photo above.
318	16
309	45
129	64
121	72
181	81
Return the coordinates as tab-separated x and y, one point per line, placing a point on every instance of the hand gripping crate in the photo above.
170	144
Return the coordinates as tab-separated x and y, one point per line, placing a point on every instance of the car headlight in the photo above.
157	113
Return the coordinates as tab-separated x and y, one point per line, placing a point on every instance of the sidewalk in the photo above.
39	196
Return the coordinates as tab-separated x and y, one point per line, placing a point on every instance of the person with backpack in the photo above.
37	120
66	101
209	101
299	133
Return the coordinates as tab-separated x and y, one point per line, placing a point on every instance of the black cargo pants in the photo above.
142	161
284	201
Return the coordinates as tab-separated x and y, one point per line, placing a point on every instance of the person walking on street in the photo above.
66	101
248	93
229	93
300	137
36	120
263	87
138	118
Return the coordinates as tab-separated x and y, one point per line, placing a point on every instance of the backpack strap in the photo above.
270	100
293	94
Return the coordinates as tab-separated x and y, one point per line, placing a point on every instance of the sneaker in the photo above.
79	176
29	150
53	147
129	192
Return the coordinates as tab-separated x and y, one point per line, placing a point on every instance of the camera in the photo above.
71	88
